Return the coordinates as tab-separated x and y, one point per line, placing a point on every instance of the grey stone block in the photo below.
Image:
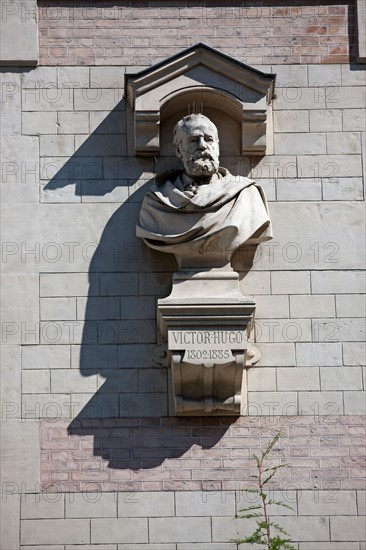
119	380
126	332
207	546
257	381
138	307
47	407
225	529
10	381
354	353
305	528
56	146
20	450
277	354
361	503
108	122
293	121
291	75
90	356
58	309
299	143
47	99
341	378
78	168
344	282
71	381
353	75
10	522
345	329
73	77
329	120
324	75
326	403
36	381
350	305
34	124
256	282
354	120
91	505
355	402
107	77
302	190
53	531
19	22
290	283
283	330
342	189
94	308
295	97
39	77
131	546
117	284
69	284
272	306
343	143
45	357
101	144
347	528
205	503
72	123
153	380
148	404
312	306
299	378
155	283
349	97
328	546
43	506
272	403
119	530
136	355
322	354
181	529
19	156
146	504
327	503
97	99
329	166
11	116
20	308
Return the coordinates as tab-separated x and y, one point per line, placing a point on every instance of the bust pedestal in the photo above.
205	323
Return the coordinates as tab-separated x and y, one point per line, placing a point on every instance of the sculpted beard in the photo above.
202	164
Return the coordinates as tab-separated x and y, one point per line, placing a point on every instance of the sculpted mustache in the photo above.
202	156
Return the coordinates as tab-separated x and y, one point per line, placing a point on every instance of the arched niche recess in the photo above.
200	79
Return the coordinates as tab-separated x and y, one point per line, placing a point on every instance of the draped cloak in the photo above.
232	210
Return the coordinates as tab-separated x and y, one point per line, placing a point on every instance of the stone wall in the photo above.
86	433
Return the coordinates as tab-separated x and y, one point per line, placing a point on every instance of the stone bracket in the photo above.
254	132
206	349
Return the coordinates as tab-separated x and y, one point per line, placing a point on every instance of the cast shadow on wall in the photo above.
128	415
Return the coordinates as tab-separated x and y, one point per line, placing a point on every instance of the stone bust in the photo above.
203	213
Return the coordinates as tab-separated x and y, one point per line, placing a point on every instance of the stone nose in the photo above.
202	145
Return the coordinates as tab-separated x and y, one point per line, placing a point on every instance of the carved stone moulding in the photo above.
206	334
199	79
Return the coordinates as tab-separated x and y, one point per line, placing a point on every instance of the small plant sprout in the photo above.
265	527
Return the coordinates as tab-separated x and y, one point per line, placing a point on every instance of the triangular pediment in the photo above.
199	55
183	79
